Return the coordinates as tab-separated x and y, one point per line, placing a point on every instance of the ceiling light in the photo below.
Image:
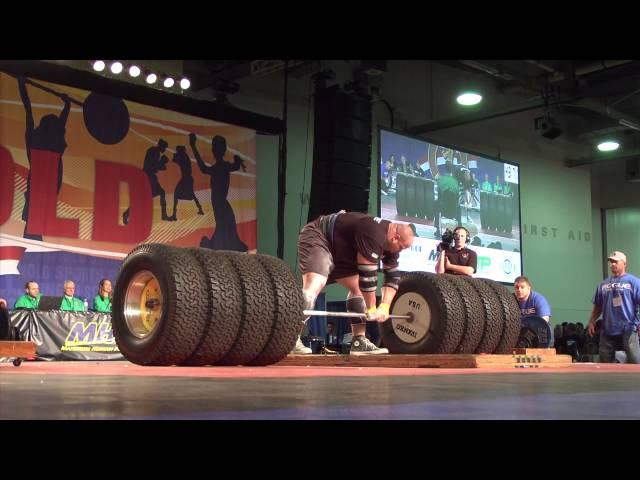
185	83
168	82
151	78
608	146
116	67
98	65
469	98
134	71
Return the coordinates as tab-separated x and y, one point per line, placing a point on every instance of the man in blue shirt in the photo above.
532	304
617	299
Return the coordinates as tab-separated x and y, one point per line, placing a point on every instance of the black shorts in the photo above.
314	251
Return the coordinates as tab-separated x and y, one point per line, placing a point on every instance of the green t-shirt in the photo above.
506	189
102	304
72	304
27	301
497	187
486	186
447	182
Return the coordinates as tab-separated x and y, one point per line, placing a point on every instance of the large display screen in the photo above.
438	187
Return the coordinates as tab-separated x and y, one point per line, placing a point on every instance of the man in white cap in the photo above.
617	299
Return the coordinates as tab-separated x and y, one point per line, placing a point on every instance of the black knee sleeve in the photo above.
356	305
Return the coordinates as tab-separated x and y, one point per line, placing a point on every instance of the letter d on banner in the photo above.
106	227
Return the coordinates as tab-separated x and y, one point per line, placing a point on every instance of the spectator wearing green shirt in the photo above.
446	183
486	185
102	301
506	189
69	302
497	187
31	297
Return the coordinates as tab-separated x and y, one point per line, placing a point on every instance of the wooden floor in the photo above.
121	390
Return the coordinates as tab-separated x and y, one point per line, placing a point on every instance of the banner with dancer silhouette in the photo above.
85	177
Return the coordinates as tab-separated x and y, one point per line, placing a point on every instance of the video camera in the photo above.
447	241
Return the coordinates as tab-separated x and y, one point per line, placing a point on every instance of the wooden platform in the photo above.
521	358
17	349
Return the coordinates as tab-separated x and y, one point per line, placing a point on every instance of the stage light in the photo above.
98	65
168	82
185	83
151	78
469	98
608	146
116	67
134	71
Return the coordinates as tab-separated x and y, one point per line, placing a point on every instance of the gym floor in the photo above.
122	390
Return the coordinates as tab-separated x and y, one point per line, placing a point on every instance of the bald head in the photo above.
399	237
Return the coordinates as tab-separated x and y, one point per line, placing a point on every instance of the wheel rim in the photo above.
143	304
414	329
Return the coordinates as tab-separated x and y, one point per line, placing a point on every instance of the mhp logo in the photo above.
93	332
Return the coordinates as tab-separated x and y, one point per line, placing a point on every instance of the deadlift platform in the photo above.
519	358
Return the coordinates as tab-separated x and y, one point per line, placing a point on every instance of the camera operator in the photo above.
455	257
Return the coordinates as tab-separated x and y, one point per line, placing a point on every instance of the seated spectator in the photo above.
102	301
331	338
498	187
69	301
31	297
486	185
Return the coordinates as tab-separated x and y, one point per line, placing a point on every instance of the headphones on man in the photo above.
468	238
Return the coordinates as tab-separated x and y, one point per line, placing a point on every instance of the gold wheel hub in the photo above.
143	304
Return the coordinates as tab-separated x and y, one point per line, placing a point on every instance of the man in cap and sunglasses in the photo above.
617	298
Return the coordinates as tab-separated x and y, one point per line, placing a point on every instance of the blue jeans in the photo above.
628	342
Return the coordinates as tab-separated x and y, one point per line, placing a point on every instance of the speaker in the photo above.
341	152
632	170
547	127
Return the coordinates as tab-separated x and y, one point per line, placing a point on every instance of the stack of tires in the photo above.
176	306
452	314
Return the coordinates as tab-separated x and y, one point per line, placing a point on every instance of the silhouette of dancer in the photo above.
184	188
154	161
225	236
46	137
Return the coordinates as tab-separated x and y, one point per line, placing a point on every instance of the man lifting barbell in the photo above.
346	248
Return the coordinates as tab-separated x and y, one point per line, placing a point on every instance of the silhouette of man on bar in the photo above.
48	137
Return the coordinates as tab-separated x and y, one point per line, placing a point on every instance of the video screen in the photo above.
439	187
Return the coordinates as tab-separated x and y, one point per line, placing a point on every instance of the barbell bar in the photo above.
322	313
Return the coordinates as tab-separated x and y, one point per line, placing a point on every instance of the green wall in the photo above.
561	245
623	234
